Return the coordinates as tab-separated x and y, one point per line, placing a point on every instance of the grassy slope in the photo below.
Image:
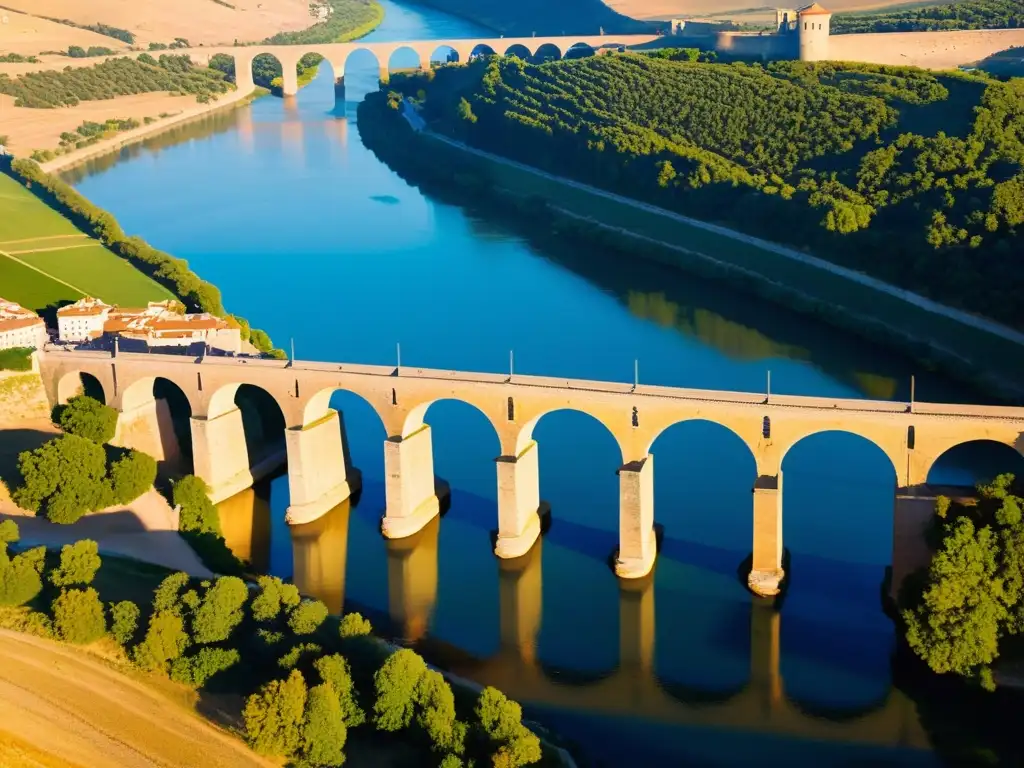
94	269
525	17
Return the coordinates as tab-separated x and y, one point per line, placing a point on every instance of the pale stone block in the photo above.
637	543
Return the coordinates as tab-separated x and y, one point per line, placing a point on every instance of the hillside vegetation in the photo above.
967	14
525	17
912	177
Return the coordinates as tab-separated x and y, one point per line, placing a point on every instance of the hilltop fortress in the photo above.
805	34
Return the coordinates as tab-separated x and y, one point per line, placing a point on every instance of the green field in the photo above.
37	272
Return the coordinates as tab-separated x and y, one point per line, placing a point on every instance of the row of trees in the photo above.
907	175
966	14
78	52
48	89
307	680
173	273
77	472
345	20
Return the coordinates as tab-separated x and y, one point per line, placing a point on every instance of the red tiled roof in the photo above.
813	10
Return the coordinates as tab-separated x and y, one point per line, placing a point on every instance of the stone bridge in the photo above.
912	436
337	54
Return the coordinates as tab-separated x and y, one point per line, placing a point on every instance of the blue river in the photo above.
315	240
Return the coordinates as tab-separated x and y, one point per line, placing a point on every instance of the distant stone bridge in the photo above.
337	54
913	437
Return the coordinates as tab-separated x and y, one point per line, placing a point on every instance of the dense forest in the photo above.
967	14
913	177
115	77
526	17
347	20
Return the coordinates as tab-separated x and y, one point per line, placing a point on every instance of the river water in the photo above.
315	240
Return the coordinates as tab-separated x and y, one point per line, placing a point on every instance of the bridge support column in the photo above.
220	455
636	624
412	581
410	490
289	79
913	512
243	74
318	477
637	543
765	653
518	503
520	603
385	74
766	561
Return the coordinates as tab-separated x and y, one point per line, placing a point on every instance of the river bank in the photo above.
975	350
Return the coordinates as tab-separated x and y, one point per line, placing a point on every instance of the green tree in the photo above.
323	729
274	716
220	610
273	595
354	625
20	575
78	616
9	532
307	617
501	720
132	475
334	670
65	478
124	621
436	714
167	596
78	564
396	684
198	513
466	111
89	418
196	669
296	653
165	641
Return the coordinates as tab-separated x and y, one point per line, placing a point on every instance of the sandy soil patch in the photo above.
74	707
23	401
739	10
29	35
198	21
30	129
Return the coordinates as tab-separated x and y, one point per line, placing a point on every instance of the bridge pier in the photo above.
385	73
518	502
637	543
318	468
320	554
289	78
219	453
410	489
339	89
913	512
766	572
637	624
766	653
147	426
412	581
520	603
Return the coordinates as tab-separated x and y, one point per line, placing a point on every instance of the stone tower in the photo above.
813	24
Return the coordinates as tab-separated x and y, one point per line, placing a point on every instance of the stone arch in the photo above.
885	440
155	418
262	66
359	51
444	54
81	383
997	456
547	52
482	49
661	431
520	51
404	51
524	437
580	51
319	405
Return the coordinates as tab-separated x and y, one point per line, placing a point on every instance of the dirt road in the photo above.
79	712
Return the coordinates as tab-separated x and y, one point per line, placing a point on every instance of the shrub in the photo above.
291	659
78	616
132	475
220	610
9	532
274	716
20	575
165	641
323	730
167	596
396	683
66	477
436	714
124	621
334	670
15	358
501	720
307	617
198	513
354	625
195	670
274	594
78	564
89	418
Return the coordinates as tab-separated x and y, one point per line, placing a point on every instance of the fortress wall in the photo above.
750	45
930	50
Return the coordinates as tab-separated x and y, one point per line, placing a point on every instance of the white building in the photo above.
159	324
20	327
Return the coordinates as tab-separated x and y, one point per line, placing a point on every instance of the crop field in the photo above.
45	260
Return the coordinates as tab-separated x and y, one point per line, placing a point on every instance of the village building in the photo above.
20	327
160	324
